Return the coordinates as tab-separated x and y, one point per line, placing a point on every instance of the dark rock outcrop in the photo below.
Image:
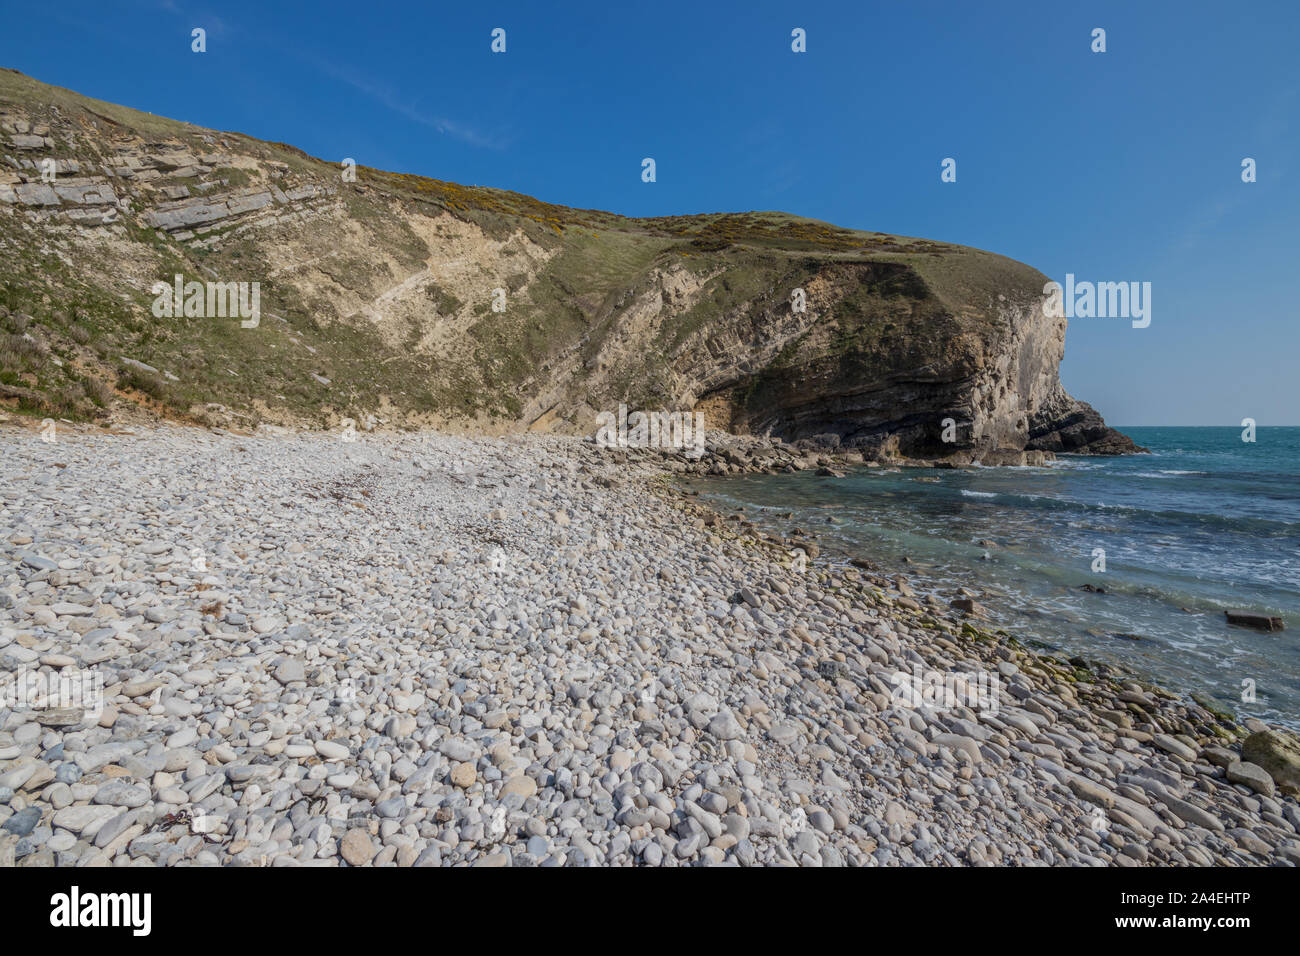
1077	429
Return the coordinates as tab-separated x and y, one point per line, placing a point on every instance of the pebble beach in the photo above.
425	649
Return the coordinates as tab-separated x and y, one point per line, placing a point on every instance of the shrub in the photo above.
19	351
142	381
101	393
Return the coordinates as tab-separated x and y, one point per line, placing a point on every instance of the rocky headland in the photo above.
406	301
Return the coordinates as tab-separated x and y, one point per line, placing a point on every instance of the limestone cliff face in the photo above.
881	362
393	298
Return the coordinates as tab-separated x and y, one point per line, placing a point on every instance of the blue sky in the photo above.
1115	166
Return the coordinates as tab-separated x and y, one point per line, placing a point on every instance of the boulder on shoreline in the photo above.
1277	753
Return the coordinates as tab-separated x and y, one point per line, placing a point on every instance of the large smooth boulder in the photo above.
1277	752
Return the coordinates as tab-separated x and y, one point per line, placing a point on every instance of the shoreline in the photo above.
1009	612
552	649
976	603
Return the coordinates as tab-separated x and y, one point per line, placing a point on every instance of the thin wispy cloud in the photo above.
208	21
390	99
1272	126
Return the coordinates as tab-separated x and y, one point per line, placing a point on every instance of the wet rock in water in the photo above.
969	606
1254	619
809	548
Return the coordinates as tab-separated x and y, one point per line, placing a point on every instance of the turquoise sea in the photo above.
1205	523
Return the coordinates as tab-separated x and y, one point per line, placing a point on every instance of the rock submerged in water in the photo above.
1260	622
969	606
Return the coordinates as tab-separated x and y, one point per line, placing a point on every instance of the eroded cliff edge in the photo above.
390	298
